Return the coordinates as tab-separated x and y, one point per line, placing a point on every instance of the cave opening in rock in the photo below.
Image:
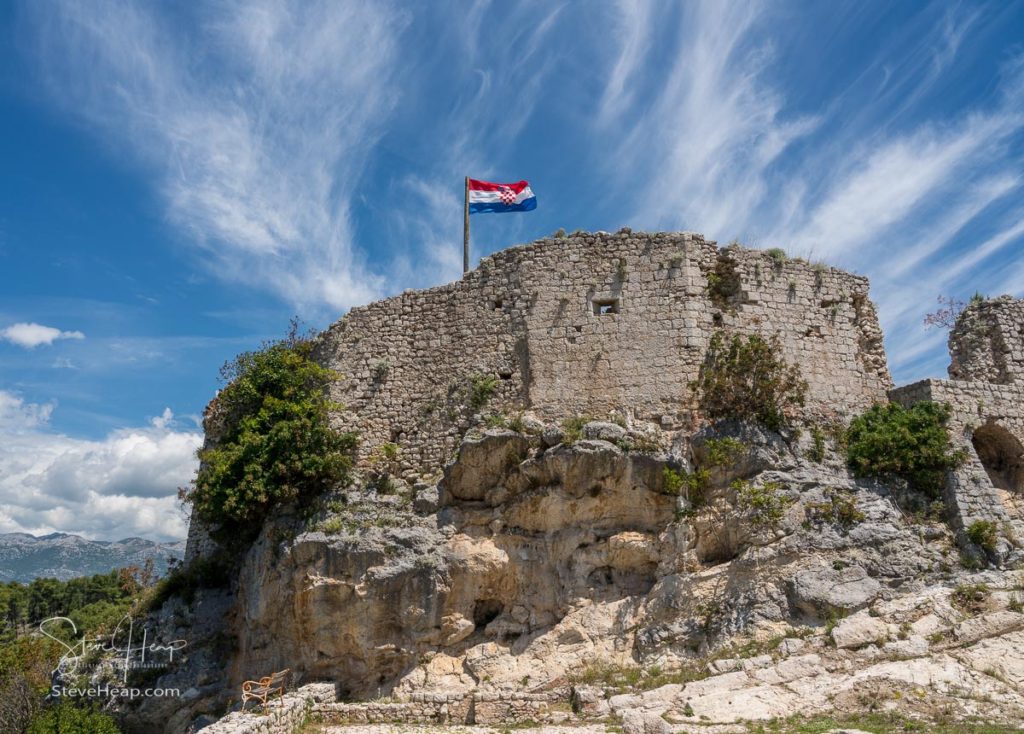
1002	455
486	611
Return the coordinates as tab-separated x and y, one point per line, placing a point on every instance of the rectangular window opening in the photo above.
605	305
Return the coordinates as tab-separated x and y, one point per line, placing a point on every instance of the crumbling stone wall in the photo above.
986	396
590	323
987	342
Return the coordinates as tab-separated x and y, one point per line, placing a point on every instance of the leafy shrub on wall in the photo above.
745	377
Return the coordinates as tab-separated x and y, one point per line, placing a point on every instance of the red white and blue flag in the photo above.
485	196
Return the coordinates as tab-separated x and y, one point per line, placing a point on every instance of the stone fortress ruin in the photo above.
597	322
507	557
986	394
591	323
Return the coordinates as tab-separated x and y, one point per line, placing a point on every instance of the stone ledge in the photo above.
481	707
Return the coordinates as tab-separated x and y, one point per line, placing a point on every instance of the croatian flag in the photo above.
485	196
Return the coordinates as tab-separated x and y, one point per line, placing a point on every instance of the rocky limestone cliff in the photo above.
529	573
537	567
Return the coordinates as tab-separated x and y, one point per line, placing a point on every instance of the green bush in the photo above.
724	451
724	284
481	390
745	377
639	444
572	428
892	441
66	718
970	598
984	534
839	508
276	445
817	452
691	485
766	504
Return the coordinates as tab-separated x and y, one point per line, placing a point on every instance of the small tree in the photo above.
946	315
276	444
745	377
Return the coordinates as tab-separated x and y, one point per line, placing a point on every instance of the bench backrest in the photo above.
277	679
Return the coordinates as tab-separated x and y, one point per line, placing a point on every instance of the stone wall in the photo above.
588	324
987	343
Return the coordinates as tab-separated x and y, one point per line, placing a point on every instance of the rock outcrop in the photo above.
641	563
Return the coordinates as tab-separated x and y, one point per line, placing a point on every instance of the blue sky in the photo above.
179	179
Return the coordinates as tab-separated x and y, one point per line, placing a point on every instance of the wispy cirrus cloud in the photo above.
257	119
32	335
701	117
708	126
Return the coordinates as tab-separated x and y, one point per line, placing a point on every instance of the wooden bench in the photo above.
263	688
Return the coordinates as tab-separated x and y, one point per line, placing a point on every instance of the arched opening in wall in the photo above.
1002	455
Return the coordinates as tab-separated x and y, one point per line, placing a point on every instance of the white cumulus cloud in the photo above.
31	335
122	485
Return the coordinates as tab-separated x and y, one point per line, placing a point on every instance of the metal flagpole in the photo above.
465	231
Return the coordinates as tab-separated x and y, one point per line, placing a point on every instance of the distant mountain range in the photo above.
25	557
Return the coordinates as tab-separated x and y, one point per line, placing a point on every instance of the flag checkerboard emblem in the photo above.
507	196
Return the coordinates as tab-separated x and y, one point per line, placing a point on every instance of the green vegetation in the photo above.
622	679
1016	603
745	377
572	428
838	508
724	284
185	580
723	451
381	370
94	602
276	444
817	452
639	444
691	485
970	598
875	723
481	390
383	461
984	534
634	678
913	444
333	525
777	255
500	420
67	718
766	503
96	605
